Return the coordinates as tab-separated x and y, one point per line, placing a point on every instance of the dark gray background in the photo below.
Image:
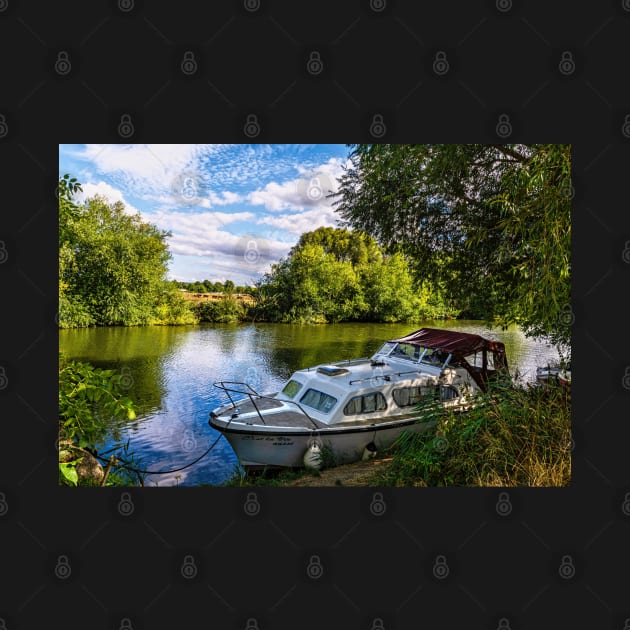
376	59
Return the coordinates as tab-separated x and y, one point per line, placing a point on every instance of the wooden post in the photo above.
112	459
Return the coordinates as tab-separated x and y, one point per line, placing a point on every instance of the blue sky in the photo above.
232	209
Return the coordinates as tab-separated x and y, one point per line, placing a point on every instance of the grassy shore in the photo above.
515	436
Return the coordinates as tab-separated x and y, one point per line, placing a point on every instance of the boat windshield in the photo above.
406	351
292	388
386	348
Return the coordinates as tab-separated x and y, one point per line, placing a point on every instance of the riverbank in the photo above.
515	437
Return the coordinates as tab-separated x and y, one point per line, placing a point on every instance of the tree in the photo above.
112	266
486	223
334	275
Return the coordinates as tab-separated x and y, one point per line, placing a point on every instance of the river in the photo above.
169	373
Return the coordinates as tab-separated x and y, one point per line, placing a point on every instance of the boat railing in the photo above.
340	363
386	377
226	386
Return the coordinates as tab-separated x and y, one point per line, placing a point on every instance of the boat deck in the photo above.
299	420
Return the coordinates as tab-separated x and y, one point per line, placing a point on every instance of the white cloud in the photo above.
106	190
308	191
300	222
147	169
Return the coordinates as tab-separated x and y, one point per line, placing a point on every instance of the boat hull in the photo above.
286	448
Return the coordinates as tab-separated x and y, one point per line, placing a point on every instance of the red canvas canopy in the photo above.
455	343
460	345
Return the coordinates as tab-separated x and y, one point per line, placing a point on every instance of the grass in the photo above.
515	437
269	477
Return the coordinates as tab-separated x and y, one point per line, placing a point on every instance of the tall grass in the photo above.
515	436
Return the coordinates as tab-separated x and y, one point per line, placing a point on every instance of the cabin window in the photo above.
318	400
292	388
434	357
367	403
407	396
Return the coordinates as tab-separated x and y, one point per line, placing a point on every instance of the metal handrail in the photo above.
339	363
222	385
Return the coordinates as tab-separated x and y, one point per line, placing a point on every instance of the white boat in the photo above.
357	407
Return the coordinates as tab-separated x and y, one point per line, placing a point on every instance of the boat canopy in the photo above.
461	345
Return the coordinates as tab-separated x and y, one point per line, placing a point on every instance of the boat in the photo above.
556	375
355	408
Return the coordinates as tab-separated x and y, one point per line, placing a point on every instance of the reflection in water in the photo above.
171	371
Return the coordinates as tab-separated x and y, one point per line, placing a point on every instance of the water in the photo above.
170	371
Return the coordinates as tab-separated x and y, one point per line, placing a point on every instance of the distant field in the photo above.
245	298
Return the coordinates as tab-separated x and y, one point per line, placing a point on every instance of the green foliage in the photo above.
112	266
513	437
334	275
226	310
489	225
90	399
172	309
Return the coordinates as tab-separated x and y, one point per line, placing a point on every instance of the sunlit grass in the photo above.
515	437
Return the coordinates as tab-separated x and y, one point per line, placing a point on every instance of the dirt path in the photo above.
357	474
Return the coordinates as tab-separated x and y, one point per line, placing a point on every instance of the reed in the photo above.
515	436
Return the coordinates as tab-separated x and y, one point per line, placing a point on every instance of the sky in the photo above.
233	210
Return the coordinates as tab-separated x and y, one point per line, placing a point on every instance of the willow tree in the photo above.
489	224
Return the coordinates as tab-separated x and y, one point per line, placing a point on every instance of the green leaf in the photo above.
69	472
